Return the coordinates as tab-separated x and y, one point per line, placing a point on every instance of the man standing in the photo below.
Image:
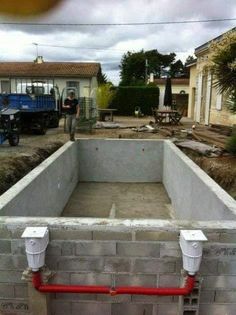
72	109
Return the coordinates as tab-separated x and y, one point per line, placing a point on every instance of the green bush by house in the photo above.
129	97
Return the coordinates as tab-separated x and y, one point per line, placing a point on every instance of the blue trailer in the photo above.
38	103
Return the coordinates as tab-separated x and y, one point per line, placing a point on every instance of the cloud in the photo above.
16	41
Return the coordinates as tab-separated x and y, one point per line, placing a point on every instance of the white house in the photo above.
82	75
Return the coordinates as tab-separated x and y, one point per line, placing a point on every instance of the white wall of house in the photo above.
176	89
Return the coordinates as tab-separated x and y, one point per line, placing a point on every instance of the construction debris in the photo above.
221	129
210	137
200	147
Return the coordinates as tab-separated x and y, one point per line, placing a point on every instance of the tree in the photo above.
102	78
133	66
104	95
223	63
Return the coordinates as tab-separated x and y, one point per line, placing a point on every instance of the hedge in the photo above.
129	97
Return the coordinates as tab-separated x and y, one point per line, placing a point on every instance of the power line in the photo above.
119	24
97	48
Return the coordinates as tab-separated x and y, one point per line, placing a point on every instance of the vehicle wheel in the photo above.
14	139
42	130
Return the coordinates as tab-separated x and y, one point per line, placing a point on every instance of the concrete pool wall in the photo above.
104	251
46	190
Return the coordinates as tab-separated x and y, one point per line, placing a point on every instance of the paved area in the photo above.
119	200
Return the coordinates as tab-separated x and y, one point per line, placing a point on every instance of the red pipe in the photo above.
60	288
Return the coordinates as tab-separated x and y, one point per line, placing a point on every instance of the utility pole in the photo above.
37	50
146	71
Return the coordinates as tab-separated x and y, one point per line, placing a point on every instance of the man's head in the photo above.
71	94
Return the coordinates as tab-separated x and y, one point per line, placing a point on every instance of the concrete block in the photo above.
10	276
138	249
4	232
226	296
68	234
18	247
14	306
227	267
219	250
116	264
53	249
153	266
91	308
219	282
131	309
227	237
61	278
169	280
136	280
108	235
91	279
68	248
207	296
114	299
170	250
76	297
5	246
217	309
156	236
21	291
152	299
95	248
209	267
15	262
61	307
81	264
6	290
168	309
212	236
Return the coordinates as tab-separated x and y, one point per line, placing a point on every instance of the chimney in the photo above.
39	59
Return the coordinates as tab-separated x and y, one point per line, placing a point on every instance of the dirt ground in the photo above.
15	162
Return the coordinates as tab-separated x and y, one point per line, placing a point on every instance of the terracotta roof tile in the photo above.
56	69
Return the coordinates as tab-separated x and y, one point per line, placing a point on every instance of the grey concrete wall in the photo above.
114	160
194	195
120	252
46	189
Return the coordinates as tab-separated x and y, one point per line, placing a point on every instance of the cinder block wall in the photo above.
116	252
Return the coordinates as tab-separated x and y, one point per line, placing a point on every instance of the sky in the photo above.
107	44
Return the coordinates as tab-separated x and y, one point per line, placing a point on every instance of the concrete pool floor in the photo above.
119	200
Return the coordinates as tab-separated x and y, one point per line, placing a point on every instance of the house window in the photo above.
5	86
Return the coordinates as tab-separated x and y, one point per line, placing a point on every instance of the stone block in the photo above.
168	309
61	307
68	234
113	236
227	267
10	262
219	282
21	291
91	279
80	264
131	309
152	299
6	290
5	246
153	266
10	276
156	236
95	248
207	296
91	308
53	249
217	309
138	249
136	280
116	264
226	296
170	250
169	280
18	247
68	248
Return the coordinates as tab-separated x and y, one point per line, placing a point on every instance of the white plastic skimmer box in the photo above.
187	192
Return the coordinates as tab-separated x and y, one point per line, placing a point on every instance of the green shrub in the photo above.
231	145
129	97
